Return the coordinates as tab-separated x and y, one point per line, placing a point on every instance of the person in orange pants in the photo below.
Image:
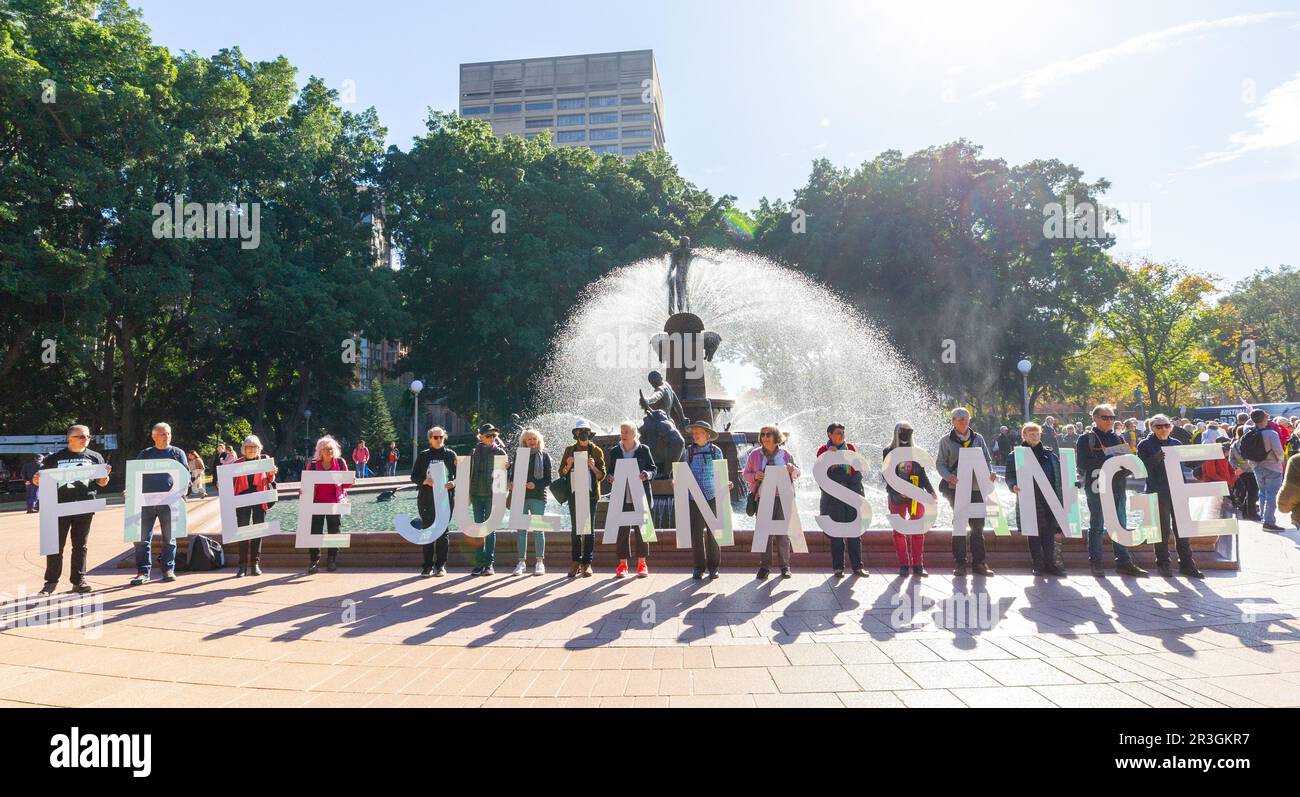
909	547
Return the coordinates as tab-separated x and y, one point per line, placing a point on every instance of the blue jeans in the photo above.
32	494
481	505
1270	481
532	506
392	469
1097	526
142	546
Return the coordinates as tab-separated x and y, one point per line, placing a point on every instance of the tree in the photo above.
148	326
377	420
1257	339
499	236
948	251
1156	321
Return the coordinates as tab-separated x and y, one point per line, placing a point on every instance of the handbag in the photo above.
751	500
562	490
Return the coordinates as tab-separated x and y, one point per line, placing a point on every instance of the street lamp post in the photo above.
416	387
307	414
1137	396
1205	383
1025	366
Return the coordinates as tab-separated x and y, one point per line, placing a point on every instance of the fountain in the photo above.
794	352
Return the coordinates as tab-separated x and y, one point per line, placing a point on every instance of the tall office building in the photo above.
610	102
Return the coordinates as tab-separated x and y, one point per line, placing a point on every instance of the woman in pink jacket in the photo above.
360	458
771	452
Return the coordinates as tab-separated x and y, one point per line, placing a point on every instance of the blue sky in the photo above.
1191	109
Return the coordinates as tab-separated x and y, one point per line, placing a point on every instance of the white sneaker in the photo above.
539	569
521	568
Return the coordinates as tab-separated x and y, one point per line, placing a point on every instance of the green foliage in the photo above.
486	303
1156	322
377	421
945	245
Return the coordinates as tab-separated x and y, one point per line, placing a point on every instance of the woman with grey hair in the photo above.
329	456
250	551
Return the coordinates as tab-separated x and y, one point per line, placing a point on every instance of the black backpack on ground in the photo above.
205	554
1252	446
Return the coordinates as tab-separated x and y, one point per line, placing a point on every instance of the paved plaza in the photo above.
390	638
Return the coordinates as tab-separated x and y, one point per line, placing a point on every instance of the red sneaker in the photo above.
641	570
621	571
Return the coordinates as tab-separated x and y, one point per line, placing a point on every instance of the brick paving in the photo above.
389	638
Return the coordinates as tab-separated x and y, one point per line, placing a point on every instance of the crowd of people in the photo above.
1260	464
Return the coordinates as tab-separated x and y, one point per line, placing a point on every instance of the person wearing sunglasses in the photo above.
481	464
1095	446
76	453
1152	452
435	553
584	545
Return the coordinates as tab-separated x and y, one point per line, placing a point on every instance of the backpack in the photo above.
205	554
1252	446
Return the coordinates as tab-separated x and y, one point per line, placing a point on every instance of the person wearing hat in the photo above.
836	509
584	545
771	452
480	494
700	455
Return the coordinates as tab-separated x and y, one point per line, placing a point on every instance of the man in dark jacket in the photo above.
76	454
1095	446
435	553
963	436
1152	452
480	493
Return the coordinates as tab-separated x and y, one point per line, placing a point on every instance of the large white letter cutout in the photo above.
686	489
1182	493
627	487
1144	503
1031	478
972	466
464	521
307	507
137	499
51	510
437	472
821	474
776	482
228	502
923	458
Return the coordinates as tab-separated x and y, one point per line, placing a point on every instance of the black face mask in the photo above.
905	438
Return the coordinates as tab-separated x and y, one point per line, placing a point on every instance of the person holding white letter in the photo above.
770	452
329	456
950	446
435	553
76	453
1042	547
629	446
157	483
837	510
250	551
1152	453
